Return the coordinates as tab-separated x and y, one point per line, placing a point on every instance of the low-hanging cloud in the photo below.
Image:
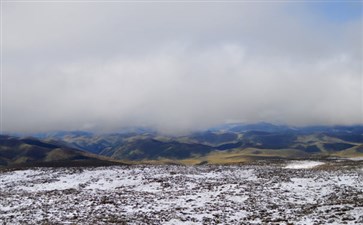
280	71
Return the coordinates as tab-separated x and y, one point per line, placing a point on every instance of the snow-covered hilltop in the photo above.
250	194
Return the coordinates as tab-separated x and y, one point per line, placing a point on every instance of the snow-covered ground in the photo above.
253	194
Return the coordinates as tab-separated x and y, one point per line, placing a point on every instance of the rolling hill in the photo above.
149	148
230	143
24	152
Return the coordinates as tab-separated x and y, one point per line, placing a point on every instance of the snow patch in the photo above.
177	222
303	164
356	159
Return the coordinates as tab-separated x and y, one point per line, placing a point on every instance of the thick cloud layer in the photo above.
177	67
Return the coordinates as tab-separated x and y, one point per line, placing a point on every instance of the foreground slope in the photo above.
264	193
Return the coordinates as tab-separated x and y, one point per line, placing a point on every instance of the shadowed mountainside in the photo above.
29	152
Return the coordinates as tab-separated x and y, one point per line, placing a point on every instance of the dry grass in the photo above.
349	153
227	157
57	154
247	155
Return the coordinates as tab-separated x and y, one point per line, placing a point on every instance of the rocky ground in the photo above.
263	193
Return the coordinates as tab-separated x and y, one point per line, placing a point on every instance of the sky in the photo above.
179	66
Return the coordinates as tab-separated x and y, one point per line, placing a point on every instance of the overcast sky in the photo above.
179	66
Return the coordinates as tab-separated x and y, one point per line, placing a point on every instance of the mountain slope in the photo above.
32	152
149	148
226	141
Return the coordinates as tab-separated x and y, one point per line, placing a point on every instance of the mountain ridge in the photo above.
225	144
245	140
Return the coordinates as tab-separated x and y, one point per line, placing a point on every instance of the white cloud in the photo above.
175	67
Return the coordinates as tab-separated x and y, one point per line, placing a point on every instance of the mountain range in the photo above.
228	143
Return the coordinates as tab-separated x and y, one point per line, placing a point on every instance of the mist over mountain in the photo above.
181	112
102	66
143	81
